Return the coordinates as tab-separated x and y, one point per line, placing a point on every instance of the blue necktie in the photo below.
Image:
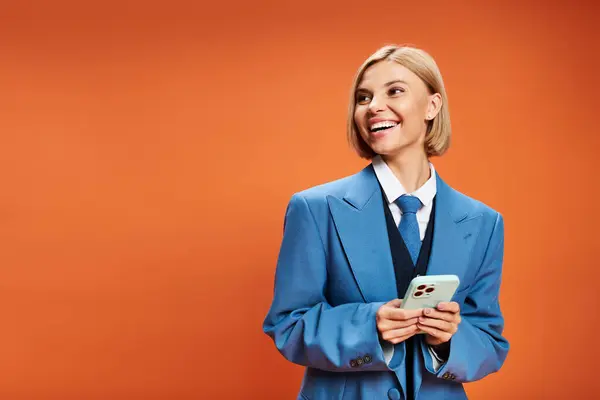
409	227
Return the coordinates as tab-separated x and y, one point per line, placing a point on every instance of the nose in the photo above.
377	104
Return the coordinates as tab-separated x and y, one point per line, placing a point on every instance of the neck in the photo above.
411	169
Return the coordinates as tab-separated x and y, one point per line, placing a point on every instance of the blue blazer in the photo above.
335	270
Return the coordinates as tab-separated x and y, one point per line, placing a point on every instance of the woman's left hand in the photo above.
440	324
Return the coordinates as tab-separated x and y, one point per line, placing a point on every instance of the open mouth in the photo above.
382	126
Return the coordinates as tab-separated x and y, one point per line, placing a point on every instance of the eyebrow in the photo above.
390	83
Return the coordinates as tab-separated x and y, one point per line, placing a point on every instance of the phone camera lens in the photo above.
417	294
429	290
421	287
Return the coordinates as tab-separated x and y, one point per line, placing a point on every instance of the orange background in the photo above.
148	151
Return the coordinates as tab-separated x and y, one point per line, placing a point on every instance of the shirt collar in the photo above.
394	189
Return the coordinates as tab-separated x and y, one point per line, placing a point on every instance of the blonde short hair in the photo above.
437	139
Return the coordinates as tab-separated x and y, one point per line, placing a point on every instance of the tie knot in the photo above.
409	204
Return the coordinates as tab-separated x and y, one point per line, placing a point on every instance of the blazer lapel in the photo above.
454	230
360	223
455	227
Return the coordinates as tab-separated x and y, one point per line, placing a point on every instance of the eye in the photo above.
396	90
362	98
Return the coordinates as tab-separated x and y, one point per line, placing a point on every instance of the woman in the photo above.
351	247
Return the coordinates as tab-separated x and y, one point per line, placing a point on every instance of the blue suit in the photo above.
335	270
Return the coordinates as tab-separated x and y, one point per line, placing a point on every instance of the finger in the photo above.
399	314
388	324
396	303
399	333
452	307
436	333
442	315
401	339
438	324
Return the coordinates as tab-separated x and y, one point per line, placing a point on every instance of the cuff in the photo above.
441	352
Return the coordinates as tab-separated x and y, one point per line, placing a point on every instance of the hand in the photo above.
440	324
395	324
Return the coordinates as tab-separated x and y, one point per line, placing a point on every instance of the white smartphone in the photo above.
428	291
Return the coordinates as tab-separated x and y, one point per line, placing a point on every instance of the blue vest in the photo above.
405	271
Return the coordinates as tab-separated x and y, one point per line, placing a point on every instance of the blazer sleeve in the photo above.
304	327
478	348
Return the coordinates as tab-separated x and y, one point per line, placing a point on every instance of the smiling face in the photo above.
392	109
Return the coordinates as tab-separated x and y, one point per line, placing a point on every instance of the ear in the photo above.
434	105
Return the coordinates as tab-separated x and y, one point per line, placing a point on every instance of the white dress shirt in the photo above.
393	189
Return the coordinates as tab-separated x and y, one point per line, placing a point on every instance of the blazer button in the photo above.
446	376
367	359
360	361
353	363
393	394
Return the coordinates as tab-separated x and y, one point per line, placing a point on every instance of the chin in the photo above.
397	150
387	149
394	146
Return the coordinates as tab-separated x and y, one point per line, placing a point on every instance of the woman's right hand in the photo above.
394	324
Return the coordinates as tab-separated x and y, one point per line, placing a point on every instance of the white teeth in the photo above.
383	124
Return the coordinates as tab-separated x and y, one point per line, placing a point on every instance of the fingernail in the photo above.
427	311
440	306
